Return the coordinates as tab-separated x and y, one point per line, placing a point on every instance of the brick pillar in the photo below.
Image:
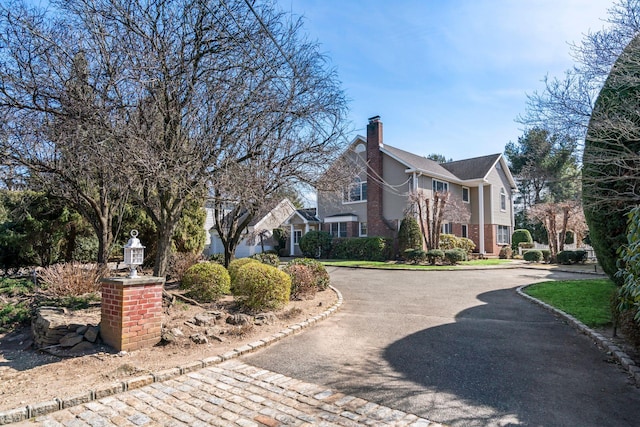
131	312
375	222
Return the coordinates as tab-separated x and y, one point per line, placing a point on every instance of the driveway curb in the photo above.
56	404
612	350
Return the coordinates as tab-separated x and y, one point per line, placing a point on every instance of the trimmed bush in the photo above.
320	274
303	283
505	252
267	258
415	256
520	235
316	244
409	235
206	281
546	255
217	258
434	256
572	257
362	248
564	257
532	256
450	241
454	256
261	287
235	265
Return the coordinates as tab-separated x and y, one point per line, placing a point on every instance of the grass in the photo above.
390	265
589	301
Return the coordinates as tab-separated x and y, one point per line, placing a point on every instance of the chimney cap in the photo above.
374	119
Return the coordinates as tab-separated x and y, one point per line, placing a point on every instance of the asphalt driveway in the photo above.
460	348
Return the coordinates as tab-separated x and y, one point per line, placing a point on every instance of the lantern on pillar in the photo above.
133	254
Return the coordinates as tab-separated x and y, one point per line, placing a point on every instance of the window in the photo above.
297	235
465	230
357	192
503	200
503	235
339	229
465	194
440	186
363	229
447	228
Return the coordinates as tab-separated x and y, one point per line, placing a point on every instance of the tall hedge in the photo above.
521	235
362	248
409	235
316	244
608	173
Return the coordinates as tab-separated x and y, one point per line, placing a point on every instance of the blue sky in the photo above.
446	76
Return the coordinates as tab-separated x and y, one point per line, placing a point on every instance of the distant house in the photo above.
376	201
259	234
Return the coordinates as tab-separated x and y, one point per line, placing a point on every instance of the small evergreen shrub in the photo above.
505	252
564	257
320	274
217	258
450	241
572	257
434	256
303	283
267	258
316	244
261	287
235	265
532	256
546	255
206	281
580	256
415	256
362	248
521	235
454	256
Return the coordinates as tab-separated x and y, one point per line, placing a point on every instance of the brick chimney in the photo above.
375	221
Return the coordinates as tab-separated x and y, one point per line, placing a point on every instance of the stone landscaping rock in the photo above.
204	319
91	334
61	331
199	339
239	319
71	339
265	319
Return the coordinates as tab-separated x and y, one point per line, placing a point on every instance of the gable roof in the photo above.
475	168
420	163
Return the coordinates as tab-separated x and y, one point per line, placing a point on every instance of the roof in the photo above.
475	168
308	214
421	163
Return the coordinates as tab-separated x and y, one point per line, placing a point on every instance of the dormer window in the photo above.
357	192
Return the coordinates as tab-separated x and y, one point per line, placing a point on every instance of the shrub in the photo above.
564	257
434	256
316	244
303	283
206	281
415	256
505	252
546	255
235	265
217	258
409	235
70	279
320	274
454	256
267	258
526	245
450	241
519	236
580	256
532	256
362	248
259	286
180	262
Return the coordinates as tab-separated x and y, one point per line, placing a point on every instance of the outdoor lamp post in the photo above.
133	254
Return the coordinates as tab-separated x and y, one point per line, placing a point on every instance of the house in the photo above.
385	176
258	237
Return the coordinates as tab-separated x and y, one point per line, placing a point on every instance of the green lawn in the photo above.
391	265
587	300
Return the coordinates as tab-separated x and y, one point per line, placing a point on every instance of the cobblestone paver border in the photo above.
57	404
230	394
612	350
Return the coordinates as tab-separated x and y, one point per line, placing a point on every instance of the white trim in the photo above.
341	218
481	248
468	194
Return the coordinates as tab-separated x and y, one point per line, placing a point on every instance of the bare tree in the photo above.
186	90
558	218
432	209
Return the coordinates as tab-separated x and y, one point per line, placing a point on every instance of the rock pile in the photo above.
65	332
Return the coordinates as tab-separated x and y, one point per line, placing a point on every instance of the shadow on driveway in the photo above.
520	361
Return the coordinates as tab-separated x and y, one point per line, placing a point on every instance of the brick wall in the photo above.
375	222
131	312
